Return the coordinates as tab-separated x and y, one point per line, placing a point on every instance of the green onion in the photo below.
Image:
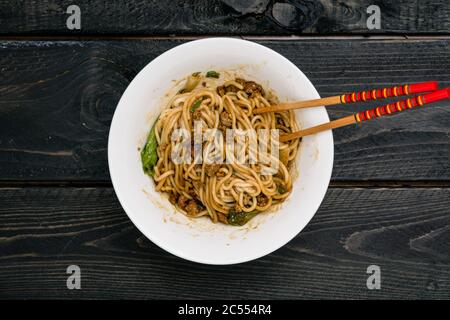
196	105
149	154
240	218
212	74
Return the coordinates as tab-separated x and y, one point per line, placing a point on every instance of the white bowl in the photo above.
200	240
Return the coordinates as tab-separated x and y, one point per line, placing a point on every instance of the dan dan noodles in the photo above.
189	156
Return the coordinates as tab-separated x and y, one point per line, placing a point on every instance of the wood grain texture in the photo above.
57	100
404	231
195	17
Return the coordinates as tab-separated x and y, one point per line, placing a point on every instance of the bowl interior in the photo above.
198	239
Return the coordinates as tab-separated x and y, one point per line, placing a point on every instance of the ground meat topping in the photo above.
173	197
240	81
223	128
182	201
197	184
220	174
221	90
247	199
191	192
226	119
197	115
262	200
212	169
193	208
253	89
231	88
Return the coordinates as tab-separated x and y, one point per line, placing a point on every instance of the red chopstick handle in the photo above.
436	96
423	87
389	92
403	105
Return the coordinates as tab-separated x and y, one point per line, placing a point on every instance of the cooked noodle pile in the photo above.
231	193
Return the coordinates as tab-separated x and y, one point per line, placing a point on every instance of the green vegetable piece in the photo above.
196	105
240	218
149	155
281	189
192	81
212	74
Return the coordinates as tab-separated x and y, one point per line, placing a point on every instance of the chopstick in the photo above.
372	113
374	94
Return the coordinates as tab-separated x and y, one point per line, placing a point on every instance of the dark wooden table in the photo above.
388	203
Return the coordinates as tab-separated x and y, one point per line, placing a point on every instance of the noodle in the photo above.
231	192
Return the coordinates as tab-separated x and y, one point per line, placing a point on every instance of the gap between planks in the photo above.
99	37
347	184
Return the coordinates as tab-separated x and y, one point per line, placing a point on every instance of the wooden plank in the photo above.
200	17
57	99
405	232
